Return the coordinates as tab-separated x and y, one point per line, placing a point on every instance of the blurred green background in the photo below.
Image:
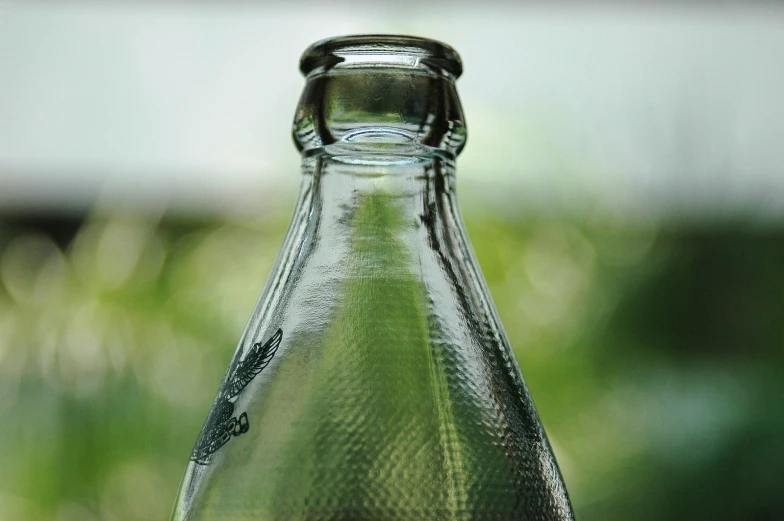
622	187
653	355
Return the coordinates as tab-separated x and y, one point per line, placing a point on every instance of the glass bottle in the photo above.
374	380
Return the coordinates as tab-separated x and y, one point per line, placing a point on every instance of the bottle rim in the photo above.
331	51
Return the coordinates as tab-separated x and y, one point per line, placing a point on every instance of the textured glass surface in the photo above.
374	380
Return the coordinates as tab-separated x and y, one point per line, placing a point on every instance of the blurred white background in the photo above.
645	110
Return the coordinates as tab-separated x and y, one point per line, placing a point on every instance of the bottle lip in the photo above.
433	54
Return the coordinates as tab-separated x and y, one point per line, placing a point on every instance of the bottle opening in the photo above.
379	91
382	51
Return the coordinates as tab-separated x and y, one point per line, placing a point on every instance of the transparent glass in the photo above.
374	380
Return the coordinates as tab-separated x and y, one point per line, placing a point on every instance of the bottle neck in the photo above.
371	214
379	124
410	183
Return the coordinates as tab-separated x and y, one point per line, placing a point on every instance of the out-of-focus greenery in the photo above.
654	356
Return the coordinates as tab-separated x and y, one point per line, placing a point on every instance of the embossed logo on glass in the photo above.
221	424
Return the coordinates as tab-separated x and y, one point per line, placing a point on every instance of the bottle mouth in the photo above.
382	51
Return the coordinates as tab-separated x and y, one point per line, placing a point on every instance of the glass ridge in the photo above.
327	53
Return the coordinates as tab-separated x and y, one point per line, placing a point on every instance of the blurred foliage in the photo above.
654	356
